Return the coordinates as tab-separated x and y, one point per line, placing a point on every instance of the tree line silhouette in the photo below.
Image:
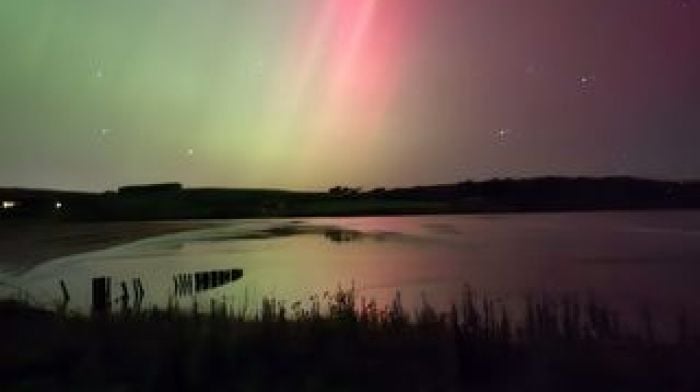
172	201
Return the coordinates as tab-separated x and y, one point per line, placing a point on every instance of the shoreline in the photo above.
25	244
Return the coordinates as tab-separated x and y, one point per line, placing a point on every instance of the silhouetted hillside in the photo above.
172	201
560	193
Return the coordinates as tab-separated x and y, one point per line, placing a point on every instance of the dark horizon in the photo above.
172	201
686	180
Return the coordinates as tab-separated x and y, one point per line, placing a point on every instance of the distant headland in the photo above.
169	201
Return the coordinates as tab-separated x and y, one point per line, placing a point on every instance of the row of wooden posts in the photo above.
190	283
185	284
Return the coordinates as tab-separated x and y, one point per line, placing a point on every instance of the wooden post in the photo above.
124	297
138	293
101	294
64	289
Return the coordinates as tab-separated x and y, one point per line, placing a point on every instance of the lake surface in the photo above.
625	259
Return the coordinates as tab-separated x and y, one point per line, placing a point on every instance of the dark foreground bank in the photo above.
334	343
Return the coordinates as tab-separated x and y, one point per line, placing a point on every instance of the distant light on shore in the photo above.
6	205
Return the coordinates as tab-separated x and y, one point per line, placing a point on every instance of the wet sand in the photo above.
24	244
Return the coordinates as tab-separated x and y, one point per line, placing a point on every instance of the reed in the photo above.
339	341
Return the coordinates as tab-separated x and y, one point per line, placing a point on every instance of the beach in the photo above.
24	244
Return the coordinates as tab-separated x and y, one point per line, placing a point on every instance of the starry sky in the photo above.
306	94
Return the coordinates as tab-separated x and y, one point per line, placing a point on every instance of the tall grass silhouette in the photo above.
340	341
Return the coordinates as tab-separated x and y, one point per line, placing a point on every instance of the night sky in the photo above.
306	94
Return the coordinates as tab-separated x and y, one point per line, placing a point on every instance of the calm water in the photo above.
624	259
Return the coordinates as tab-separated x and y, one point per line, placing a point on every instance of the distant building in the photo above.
150	188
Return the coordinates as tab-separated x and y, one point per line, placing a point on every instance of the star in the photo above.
105	131
586	79
255	69
503	132
585	82
99	74
190	152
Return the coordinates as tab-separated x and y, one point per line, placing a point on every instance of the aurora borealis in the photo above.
306	94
